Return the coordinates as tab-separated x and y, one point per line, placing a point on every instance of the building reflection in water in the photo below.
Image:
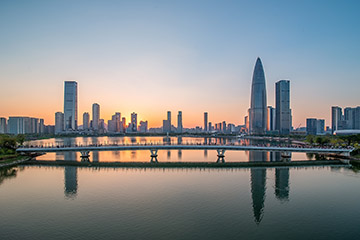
95	156
258	184
205	153
168	154
70	177
179	154
281	177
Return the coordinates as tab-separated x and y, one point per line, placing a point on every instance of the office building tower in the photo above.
95	116
258	103
123	125
19	125
3	125
167	123
282	107
210	127
41	126
336	117
357	118
34	125
143	127
134	122
205	121
117	119
70	105
349	117
59	122
315	126
224	129
86	121
179	122
271	118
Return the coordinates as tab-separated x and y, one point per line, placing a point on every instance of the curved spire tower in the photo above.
258	105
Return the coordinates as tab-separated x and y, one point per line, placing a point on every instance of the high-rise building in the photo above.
34	125
70	105
315	126
95	116
282	107
143	127
169	120
258	104
210	127
134	122
167	123
123	125
224	129
41	126
86	121
3	125
271	119
349	117
205	122
179	122
59	122
20	125
336	117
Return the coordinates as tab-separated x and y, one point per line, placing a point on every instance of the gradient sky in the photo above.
193	56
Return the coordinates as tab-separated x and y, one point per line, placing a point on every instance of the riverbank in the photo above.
183	164
13	160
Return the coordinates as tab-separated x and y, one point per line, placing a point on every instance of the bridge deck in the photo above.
182	147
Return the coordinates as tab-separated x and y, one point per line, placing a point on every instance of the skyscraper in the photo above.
95	116
3	125
70	105
336	117
169	119
205	122
59	122
271	118
258	105
134	122
86	121
179	122
282	107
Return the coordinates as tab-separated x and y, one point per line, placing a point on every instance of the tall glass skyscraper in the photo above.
70	105
258	104
95	116
282	107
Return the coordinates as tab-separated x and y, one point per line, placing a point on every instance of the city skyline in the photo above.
155	53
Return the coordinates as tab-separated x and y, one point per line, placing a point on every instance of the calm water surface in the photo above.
123	203
163	155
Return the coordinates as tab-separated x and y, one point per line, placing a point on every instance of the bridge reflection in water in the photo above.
257	179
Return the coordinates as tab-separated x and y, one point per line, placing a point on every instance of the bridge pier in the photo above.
286	156
221	155
85	156
153	155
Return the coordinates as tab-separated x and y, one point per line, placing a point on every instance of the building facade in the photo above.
179	122
258	102
3	125
282	107
205	122
95	117
70	105
59	122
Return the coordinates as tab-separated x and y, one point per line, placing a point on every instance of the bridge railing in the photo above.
115	144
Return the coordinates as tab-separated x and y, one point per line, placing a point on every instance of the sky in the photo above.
191	56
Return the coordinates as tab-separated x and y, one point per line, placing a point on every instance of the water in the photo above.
163	155
124	203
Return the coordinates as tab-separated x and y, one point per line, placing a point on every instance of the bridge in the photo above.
154	148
